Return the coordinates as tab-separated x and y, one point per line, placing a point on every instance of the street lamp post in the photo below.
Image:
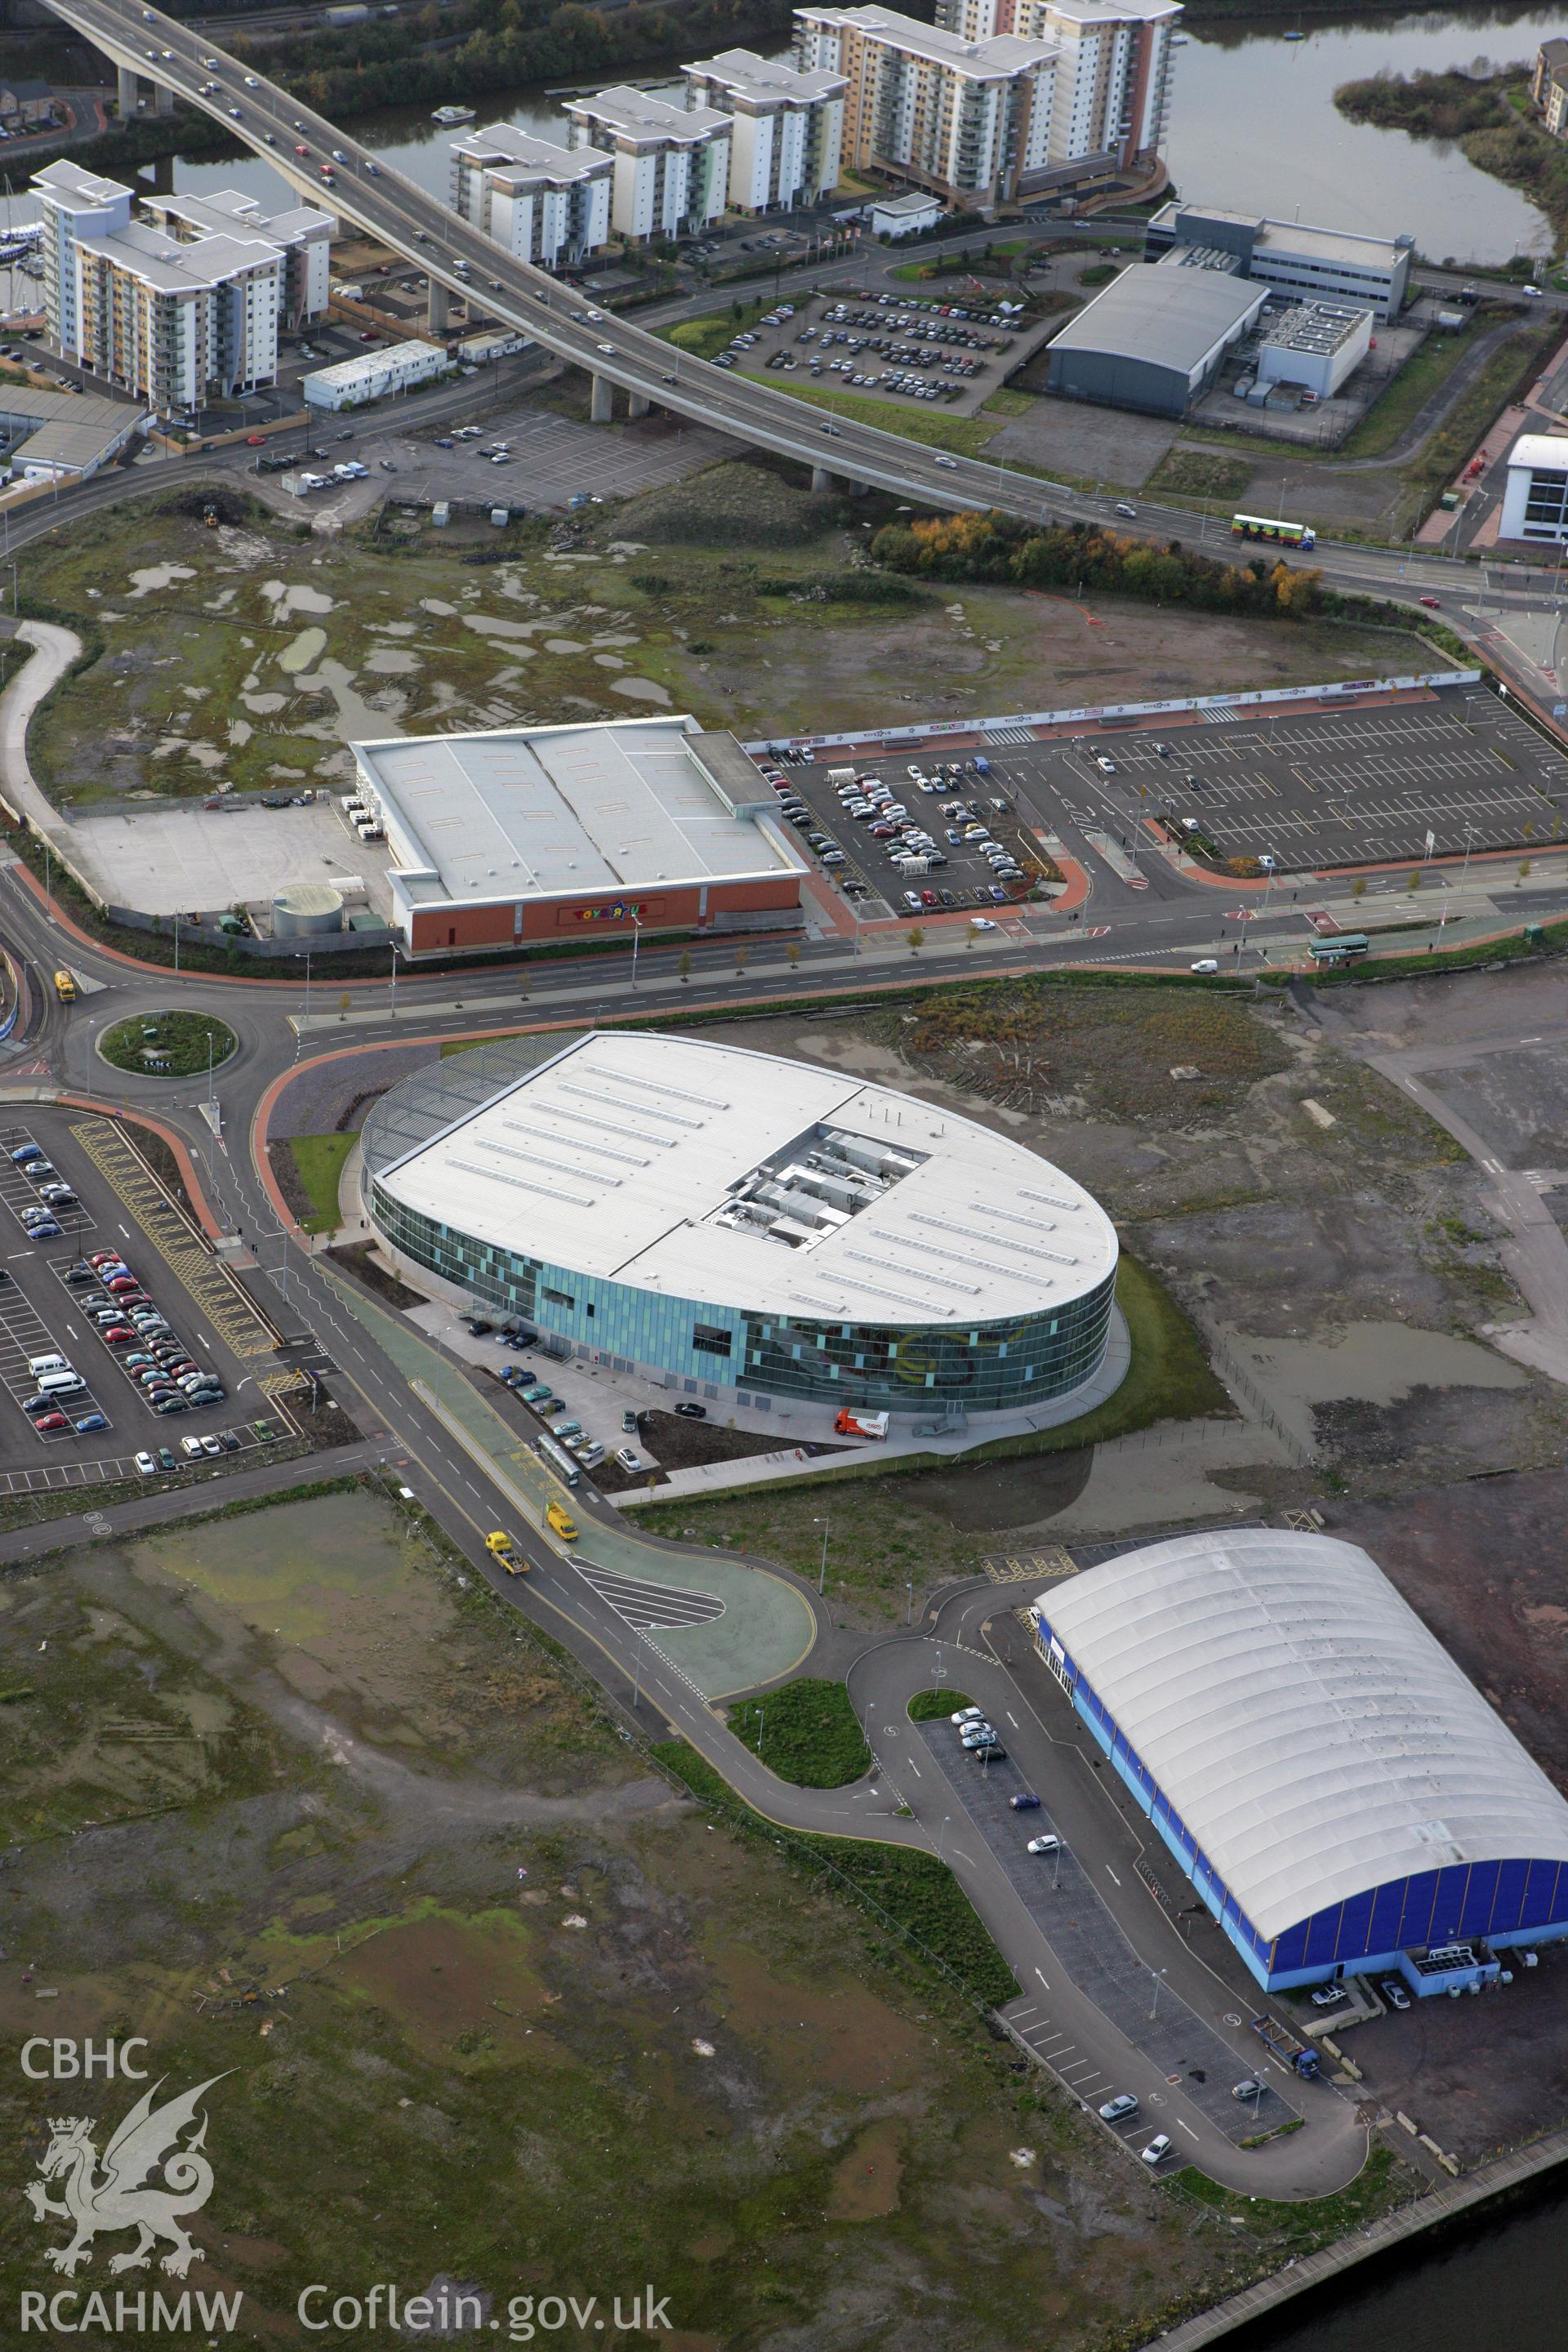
822	1579
941	1832
636	937
1153	2005
394	1013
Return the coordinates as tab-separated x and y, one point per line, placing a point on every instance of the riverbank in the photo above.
1488	116
1432	2212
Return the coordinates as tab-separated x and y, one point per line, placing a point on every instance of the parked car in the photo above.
690	1412
629	1460
145	1466
1116	2110
1394	1993
1047	1845
1250	2087
1158	2149
1023	1801
89	1421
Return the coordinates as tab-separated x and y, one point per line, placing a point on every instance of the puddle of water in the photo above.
389	628
218	603
1379	1363
308	646
443	612
488	625
563	645
240	731
392	661
289	598
640	689
158	575
287	1570
355	715
264	705
610	661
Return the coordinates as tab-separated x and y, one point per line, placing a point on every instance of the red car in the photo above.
256	440
1431	604
119	1335
120	1283
105	1258
51	1421
929	899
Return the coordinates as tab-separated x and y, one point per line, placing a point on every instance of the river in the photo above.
1504	2282
1253	128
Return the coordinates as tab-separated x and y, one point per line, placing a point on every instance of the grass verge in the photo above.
1406	393
914	1895
966	437
807	1733
1304	2229
933	1706
319	1160
706	337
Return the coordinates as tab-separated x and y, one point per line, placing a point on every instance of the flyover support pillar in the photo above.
604	407
125	96
821	479
162	98
440	306
637	405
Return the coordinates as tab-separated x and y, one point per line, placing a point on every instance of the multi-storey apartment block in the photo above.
172	322
1114	72
544	204
304	235
788	127
671	165
970	120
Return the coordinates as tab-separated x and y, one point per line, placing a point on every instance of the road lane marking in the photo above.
1042	1978
1186	2127
1012	1719
1113	1873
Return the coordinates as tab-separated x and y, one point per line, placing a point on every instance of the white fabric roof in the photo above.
1316	1739
616	1158
1546	452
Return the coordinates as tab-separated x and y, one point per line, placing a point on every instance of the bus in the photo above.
559	1461
1287	534
1340	949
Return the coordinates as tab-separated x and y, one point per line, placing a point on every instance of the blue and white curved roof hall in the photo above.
1335	1786
183	55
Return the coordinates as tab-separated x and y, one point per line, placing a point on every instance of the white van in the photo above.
66	1384
39	1365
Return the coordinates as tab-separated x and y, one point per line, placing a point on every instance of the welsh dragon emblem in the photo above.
123	2194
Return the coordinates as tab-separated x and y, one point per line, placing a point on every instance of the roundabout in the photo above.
168	1045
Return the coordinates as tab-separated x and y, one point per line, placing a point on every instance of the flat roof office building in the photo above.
551	832
1337	1790
1317	345
1535	503
788	127
543	202
729	1220
1155	339
1326	265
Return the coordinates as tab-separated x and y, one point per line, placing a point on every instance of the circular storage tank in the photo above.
304	908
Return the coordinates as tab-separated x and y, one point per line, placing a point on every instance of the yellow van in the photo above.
564	1525
65	988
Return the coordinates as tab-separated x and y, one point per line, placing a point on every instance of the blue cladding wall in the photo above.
993	1368
1465	1903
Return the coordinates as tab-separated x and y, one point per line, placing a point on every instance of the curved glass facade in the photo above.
983	1368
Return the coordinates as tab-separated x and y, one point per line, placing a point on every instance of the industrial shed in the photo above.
1155	339
1337	1790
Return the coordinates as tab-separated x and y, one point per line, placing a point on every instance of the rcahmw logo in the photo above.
153	2174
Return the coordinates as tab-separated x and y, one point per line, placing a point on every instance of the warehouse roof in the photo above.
1169	318
531	811
1315	1739
708	1172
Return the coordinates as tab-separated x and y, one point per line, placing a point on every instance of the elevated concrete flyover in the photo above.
143	42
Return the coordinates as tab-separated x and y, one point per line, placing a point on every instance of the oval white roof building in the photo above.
734	1216
1333	1784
